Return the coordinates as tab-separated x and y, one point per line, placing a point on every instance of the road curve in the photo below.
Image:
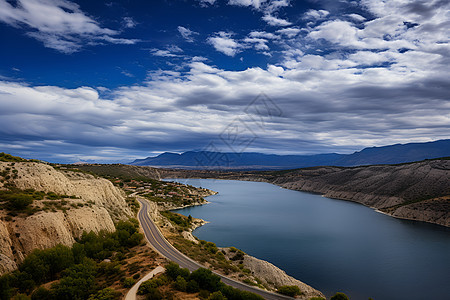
160	244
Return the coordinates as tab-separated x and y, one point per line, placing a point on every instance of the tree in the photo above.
339	296
180	284
192	286
41	293
77	282
5	288
128	282
217	296
206	279
289	290
172	270
105	294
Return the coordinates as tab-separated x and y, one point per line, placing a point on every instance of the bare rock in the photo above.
272	275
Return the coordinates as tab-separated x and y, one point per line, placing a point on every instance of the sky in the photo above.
111	81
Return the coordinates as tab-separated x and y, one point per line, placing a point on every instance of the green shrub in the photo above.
128	282
180	284
217	296
339	296
41	293
289	290
105	294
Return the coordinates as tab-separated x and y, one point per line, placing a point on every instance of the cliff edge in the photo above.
63	205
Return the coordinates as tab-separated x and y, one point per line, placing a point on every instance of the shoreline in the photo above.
323	195
202	222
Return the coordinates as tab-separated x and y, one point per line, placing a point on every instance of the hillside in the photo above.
41	207
393	154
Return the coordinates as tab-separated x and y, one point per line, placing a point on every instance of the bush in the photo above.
77	283
5	288
105	294
217	296
206	279
41	293
289	290
192	286
180	284
128	282
339	296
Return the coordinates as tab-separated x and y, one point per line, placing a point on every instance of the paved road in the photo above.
160	244
131	295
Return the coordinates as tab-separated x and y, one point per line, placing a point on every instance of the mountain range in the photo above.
392	154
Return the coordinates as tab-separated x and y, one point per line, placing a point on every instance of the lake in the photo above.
332	245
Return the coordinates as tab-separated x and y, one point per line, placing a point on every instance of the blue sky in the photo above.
118	80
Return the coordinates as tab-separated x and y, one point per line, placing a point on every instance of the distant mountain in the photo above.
393	154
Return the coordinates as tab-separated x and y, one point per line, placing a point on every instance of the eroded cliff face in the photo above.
272	275
417	191
100	191
96	206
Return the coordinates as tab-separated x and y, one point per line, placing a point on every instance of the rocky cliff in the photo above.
417	191
94	204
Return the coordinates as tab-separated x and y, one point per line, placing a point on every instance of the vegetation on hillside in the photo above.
9	158
202	281
88	269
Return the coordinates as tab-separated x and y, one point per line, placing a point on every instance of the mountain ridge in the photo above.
390	154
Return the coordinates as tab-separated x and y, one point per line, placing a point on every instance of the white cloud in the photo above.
357	17
187	34
170	51
59	24
274	21
254	3
258	43
324	102
289	32
223	42
316	14
263	34
129	22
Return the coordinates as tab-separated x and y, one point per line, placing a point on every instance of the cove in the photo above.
330	244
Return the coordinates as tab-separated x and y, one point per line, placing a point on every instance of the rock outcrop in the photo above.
100	191
96	205
272	275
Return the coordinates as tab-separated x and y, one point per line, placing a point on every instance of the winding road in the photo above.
160	244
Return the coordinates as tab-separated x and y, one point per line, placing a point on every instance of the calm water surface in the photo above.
332	245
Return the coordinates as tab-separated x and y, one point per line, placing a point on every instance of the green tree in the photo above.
105	294
41	293
217	296
180	284
289	290
192	286
206	279
173	270
128	282
77	283
339	296
5	288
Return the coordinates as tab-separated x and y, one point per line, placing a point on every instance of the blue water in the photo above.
330	244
